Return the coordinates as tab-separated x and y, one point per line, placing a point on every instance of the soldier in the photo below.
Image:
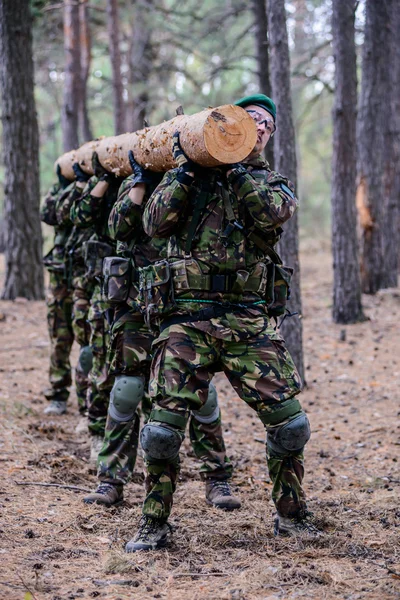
222	225
129	362
90	211
59	301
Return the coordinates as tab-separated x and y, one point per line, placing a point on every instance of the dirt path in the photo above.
57	548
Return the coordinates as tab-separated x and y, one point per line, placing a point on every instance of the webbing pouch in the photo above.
95	252
54	260
156	294
117	276
278	289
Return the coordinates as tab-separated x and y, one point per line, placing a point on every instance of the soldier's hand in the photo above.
99	170
183	162
80	175
141	175
63	181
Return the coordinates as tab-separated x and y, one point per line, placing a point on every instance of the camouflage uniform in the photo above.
130	354
59	300
218	316
91	213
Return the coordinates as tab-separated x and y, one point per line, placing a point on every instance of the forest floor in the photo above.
54	547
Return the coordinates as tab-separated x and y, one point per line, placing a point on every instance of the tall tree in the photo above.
370	144
24	269
85	56
391	152
259	8
115	56
286	163
72	81
346	269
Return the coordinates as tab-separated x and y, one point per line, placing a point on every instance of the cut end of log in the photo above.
230	134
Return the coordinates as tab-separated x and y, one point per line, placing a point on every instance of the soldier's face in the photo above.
265	126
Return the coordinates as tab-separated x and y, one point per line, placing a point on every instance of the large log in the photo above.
212	137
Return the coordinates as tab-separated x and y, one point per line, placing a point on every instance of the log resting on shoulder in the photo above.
212	137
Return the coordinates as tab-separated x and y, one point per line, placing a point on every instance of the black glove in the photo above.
184	163
63	181
100	172
141	175
237	171
80	175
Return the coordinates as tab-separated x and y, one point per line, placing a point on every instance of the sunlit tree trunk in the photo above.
23	239
72	81
372	114
391	156
85	52
346	267
115	56
286	163
259	8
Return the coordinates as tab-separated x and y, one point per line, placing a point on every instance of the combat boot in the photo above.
96	444
152	534
56	408
218	493
107	494
301	526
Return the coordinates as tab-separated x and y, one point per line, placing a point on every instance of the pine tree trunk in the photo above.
370	145
391	157
286	163
23	238
85	52
262	54
115	56
72	82
346	266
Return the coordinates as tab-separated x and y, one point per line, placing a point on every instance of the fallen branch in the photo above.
58	485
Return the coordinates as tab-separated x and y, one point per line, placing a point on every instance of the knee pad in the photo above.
209	412
292	436
160	442
85	360
125	397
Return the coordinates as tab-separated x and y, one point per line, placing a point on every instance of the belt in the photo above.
221	283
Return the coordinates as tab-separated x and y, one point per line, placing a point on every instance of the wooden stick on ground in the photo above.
58	485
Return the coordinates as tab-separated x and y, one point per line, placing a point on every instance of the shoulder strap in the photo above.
199	200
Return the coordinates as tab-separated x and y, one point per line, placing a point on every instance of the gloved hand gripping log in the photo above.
210	138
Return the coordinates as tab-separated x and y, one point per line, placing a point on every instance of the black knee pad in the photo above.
160	442
291	436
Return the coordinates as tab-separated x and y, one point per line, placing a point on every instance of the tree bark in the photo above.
212	137
391	156
72	82
115	56
23	238
346	267
370	144
85	55
259	8
286	163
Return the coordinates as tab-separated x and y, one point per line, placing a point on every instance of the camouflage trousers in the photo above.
82	292
261	372
59	320
130	354
100	382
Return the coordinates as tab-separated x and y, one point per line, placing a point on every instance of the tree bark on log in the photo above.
286	163
23	237
212	137
346	267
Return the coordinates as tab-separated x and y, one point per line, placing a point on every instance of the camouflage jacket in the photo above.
52	213
48	208
259	201
125	225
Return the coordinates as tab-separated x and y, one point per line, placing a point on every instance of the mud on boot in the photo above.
152	534
219	494
301	526
56	408
106	494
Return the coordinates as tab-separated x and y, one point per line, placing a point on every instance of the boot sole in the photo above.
222	507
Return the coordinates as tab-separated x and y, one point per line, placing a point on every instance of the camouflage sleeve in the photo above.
166	205
63	204
268	203
48	208
125	219
86	208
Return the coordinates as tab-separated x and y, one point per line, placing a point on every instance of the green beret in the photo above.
259	100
